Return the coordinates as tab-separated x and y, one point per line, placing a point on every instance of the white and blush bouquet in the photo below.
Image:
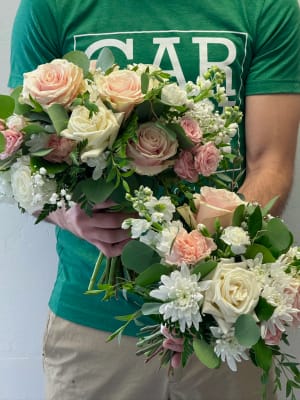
219	277
81	132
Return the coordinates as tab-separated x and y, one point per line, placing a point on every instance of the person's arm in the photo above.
271	138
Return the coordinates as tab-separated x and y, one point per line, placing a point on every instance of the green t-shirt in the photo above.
256	42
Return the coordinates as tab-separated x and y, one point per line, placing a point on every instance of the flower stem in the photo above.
96	271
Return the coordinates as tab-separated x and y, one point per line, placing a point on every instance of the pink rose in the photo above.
121	88
189	248
207	158
174	344
192	129
210	204
153	150
13	140
184	167
62	148
273	339
294	292
59	81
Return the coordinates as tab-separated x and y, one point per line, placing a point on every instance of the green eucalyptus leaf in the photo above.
41	153
205	353
267	208
95	191
20	108
33	129
246	330
276	237
137	256
59	117
2	143
7	106
255	249
204	267
150	308
183	140
105	59
152	274
262	355
80	59
264	310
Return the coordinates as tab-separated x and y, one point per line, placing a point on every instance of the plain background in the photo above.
27	271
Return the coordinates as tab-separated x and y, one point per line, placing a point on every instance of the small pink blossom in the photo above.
189	248
62	148
294	291
207	158
13	140
192	129
184	167
173	344
271	339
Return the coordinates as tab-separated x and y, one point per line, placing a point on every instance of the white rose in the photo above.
30	194
234	291
100	129
16	122
173	95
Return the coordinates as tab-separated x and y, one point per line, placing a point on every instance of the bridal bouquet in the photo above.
81	132
218	276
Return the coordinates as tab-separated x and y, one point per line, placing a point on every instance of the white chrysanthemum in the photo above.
236	238
182	294
160	209
228	348
99	164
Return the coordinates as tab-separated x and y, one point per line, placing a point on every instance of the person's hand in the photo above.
103	229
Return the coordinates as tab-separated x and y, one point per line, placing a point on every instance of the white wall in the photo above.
27	270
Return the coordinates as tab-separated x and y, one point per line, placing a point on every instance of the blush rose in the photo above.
152	152
62	147
59	81
13	141
207	158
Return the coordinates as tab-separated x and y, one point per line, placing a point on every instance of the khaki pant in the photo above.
79	365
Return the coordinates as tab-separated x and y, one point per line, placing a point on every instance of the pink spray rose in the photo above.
59	81
153	150
62	148
121	88
192	129
189	248
13	140
184	166
271	339
207	158
174	344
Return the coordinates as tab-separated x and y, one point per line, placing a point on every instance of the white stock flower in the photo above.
236	238
138	227
166	237
228	348
30	191
160	209
99	164
182	294
173	95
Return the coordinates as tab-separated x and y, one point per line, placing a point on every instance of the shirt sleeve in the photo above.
35	38
275	66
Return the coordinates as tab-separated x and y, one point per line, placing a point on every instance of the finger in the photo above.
105	204
110	250
109	220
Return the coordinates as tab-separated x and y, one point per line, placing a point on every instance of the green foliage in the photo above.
205	353
137	256
59	117
152	274
80	59
95	191
7	106
246	330
105	59
150	308
2	143
262	355
204	268
264	310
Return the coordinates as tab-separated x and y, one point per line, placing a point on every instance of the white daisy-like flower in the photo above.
166	237
182	294
236	238
160	209
138	227
228	348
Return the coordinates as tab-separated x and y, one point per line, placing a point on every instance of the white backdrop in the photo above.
27	270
